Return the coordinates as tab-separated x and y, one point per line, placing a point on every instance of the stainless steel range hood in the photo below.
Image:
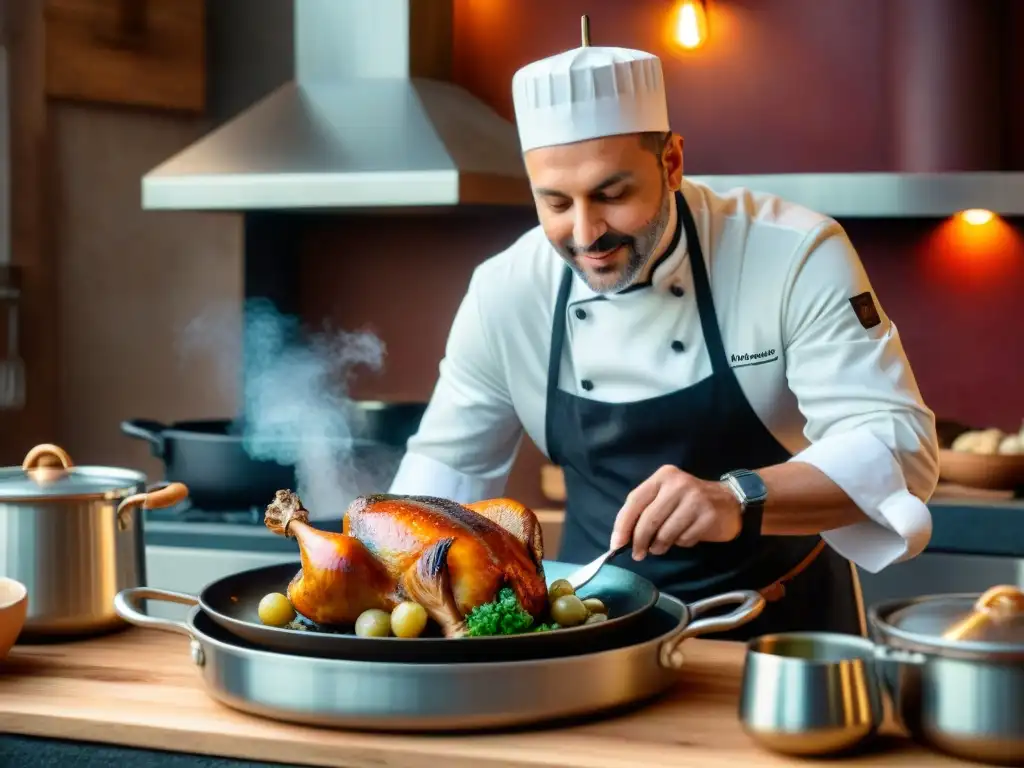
370	120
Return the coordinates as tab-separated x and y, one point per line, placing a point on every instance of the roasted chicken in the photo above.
447	557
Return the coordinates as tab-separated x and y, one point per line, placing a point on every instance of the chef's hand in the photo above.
672	507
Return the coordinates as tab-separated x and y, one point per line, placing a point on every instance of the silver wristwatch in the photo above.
748	486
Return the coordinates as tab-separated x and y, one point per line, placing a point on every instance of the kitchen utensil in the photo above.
955	670
810	693
582	576
210	458
73	536
13	609
232	602
382	695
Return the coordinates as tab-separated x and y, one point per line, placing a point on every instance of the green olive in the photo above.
596	618
408	620
593	605
275	610
569	611
559	588
373	623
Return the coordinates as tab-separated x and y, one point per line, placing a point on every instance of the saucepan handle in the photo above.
127	604
150	431
750	606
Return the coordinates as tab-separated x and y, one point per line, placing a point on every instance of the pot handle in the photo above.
156	496
55	454
150	431
751	605
126	603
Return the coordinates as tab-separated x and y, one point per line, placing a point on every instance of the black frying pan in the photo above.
209	456
232	603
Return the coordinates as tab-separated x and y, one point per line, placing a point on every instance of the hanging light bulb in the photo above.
689	20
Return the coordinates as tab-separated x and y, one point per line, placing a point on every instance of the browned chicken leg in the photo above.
339	578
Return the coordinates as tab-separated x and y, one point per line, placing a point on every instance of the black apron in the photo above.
607	449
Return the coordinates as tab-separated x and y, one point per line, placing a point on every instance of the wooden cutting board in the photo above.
146	53
139	688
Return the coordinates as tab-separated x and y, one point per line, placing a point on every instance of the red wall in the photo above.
782	86
808	72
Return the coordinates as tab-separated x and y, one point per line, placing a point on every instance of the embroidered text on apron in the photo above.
607	449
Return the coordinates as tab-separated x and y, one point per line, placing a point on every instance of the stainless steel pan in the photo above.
232	602
380	695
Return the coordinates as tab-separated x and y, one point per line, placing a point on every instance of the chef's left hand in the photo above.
672	507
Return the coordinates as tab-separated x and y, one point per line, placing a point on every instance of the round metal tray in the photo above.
395	696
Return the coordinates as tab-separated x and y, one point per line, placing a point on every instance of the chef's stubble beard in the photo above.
644	242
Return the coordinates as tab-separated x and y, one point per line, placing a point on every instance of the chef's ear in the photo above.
672	161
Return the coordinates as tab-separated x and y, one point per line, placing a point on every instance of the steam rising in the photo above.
296	410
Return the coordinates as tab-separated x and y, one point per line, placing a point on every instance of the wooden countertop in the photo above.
139	688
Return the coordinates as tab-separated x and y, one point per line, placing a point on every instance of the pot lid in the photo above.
49	473
992	623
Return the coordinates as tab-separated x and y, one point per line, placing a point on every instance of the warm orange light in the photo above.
689	24
977	216
971	256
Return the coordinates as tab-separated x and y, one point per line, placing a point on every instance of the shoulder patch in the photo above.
864	305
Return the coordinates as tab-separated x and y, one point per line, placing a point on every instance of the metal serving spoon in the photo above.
584	574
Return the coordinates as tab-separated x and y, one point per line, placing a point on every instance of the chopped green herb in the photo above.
503	616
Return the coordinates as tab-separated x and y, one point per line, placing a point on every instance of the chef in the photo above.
712	372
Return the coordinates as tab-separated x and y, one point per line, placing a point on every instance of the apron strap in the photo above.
702	287
777	589
557	343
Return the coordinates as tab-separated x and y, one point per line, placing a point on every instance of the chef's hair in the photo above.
655	142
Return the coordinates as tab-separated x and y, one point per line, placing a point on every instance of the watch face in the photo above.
752	486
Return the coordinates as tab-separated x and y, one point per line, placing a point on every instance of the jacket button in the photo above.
677	290
587	384
678	346
581	314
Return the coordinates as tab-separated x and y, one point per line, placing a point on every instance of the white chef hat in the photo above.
587	93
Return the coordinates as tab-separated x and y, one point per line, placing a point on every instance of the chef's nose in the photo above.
587	227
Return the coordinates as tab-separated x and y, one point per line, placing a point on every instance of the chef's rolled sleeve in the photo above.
470	433
869	429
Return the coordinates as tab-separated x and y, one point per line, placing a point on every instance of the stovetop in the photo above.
188	526
187	513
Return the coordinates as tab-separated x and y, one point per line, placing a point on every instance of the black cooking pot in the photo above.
209	457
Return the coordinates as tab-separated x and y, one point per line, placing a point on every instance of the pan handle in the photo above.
751	605
127	601
150	431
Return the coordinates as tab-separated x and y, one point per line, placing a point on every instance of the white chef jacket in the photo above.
837	395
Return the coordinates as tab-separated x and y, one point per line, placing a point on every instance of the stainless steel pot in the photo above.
954	666
73	536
